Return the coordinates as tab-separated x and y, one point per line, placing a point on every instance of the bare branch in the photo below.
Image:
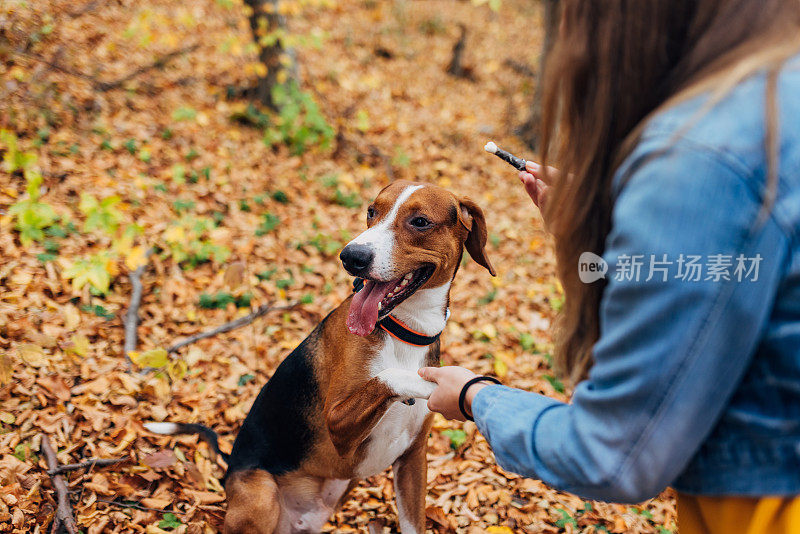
157	64
100	85
92	462
64	516
137	506
132	315
232	325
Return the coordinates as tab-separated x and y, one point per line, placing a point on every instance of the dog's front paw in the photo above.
406	384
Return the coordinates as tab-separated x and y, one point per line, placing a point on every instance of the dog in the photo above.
341	406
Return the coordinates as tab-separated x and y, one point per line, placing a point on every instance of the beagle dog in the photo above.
341	406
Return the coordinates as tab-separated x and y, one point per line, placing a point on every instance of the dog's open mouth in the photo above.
377	299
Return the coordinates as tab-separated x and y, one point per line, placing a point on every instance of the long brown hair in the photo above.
614	64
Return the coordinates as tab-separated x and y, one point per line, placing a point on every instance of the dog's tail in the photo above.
173	429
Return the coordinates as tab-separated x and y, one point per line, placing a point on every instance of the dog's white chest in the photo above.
401	423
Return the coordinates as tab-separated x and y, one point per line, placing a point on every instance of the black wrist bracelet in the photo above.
463	395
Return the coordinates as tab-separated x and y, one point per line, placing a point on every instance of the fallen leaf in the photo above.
32	355
150	358
160	460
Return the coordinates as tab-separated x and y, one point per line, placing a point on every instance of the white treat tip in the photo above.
161	428
490	147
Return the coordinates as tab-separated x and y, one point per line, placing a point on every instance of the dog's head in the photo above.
415	238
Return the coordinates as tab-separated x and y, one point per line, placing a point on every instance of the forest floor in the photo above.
237	222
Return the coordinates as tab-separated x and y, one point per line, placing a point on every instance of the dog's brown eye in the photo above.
420	223
370	212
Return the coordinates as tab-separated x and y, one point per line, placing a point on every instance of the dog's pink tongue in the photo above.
364	307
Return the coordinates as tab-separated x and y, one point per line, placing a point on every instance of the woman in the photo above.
676	126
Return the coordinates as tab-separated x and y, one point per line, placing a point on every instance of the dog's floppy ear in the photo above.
471	217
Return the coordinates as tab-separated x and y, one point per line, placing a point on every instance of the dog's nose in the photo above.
357	259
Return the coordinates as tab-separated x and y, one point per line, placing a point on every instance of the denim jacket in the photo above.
696	379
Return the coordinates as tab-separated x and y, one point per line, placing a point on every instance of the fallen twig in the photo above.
132	315
92	462
157	64
138	506
55	65
64	516
519	67
100	85
232	325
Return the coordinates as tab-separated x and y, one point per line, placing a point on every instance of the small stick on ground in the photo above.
137	506
92	462
232	325
100	85
157	64
64	516
132	315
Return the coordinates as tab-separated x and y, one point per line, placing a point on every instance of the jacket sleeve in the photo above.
671	352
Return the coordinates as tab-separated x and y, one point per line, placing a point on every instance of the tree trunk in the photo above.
265	21
529	130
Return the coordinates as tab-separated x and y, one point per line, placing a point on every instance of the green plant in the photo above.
181	205
526	341
557	384
489	297
269	222
300	124
184	114
325	244
130	146
266	275
284	283
456	436
99	311
188	243
170	521
252	116
280	196
96	270
31	217
244	379
221	300
566	519
14	159
348	200
100	215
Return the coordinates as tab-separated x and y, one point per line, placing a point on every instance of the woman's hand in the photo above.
450	380
533	179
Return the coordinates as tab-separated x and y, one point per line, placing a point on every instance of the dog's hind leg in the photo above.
253	503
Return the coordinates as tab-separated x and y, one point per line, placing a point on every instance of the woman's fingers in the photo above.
429	373
534	187
545	174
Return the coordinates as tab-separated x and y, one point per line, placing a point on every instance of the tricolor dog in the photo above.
341	406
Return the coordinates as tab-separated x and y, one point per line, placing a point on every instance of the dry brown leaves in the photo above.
379	79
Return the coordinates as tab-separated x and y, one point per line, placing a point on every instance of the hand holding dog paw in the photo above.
449	381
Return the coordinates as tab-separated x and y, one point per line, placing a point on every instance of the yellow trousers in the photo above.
738	515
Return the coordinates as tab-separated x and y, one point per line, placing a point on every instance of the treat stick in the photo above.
514	161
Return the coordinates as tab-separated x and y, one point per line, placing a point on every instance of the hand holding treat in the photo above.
532	179
532	174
